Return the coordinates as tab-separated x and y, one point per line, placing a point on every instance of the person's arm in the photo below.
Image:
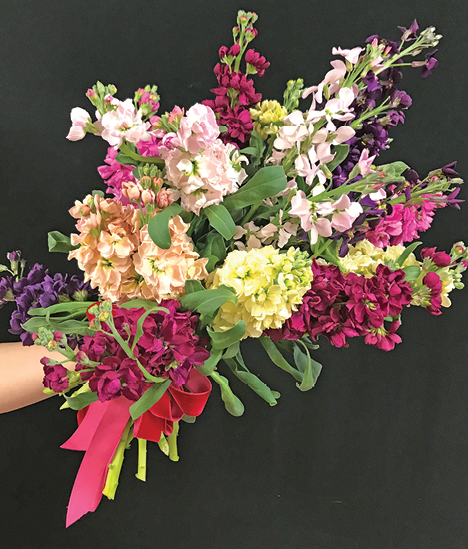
21	375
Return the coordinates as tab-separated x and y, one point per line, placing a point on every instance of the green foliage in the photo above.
59	242
220	219
232	404
149	398
158	227
223	340
267	182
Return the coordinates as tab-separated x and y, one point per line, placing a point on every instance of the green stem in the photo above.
250	213
172	440
141	473
139	158
163	445
115	466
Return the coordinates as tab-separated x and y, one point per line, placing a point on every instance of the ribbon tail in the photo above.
108	427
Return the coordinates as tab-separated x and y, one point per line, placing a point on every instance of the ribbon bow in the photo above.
100	428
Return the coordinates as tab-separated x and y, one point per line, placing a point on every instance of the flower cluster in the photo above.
235	93
35	289
120	259
339	306
269	286
263	219
168	348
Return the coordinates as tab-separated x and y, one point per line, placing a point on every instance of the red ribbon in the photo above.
100	428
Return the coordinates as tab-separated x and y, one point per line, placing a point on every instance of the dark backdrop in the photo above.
375	456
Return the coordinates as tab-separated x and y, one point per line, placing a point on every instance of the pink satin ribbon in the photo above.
100	428
98	435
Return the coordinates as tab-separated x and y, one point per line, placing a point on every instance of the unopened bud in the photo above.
148	197
146	182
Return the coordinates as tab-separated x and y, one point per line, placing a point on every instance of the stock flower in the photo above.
164	272
204	178
269	286
264	115
167	348
80	118
123	123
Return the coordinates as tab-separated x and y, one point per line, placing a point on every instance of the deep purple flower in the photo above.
410	34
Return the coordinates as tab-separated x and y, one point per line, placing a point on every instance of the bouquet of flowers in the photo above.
238	217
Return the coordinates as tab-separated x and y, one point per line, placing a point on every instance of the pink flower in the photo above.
203	179
301	207
440	259
79	118
365	162
350	55
124	123
198	129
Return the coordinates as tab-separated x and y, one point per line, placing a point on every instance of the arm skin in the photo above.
21	375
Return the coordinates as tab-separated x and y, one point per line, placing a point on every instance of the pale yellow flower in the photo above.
363	258
264	115
269	286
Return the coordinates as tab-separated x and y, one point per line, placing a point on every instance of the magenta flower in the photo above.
55	376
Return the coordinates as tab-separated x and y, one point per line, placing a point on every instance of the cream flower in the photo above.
269	286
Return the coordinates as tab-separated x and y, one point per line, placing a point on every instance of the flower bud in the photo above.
148	197
146	182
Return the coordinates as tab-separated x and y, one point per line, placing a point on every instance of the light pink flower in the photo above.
124	123
198	129
311	223
79	118
365	162
293	132
337	108
205	178
350	55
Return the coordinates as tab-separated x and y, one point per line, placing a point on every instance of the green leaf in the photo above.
232	404
395	169
215	246
278	359
81	400
232	350
142	304
124	159
212	262
193	286
256	149
412	272
207	302
221	220
68	307
341	152
59	242
400	260
33	324
207	368
267	182
222	340
309	367
238	368
148	399
158	227
77	327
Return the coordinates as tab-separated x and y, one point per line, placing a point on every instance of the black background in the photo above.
374	457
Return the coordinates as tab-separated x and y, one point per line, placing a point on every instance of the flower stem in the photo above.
115	465
172	440
141	473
